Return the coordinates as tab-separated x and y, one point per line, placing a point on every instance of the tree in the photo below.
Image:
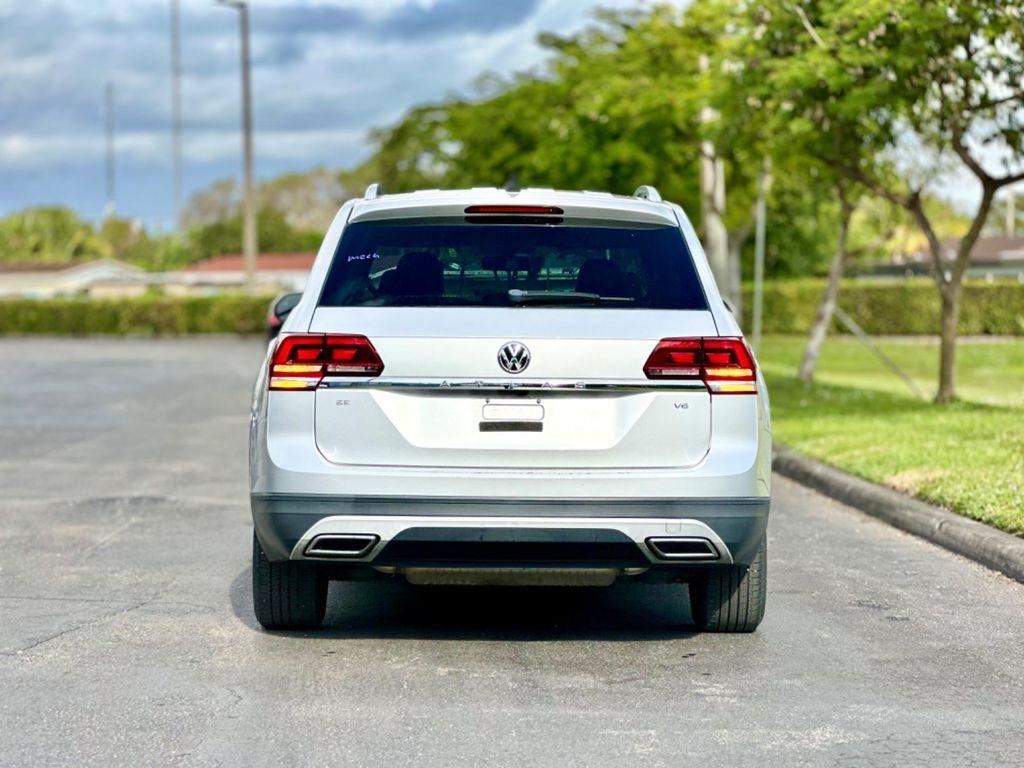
617	106
755	123
275	235
829	301
717	30
942	78
219	201
49	235
611	110
862	230
307	201
129	241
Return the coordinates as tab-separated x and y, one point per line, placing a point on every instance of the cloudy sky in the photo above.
325	71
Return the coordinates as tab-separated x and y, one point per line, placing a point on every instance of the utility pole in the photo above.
176	167
111	205
764	183
249	241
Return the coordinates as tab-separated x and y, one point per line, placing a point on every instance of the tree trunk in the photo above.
951	284
948	277
712	201
827	307
947	346
712	209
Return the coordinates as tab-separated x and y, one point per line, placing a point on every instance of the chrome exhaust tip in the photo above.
682	548
349	545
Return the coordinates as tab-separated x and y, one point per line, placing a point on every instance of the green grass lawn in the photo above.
967	456
989	370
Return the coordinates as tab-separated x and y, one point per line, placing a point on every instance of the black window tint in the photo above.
389	264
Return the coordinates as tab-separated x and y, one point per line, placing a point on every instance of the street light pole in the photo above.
249	232
108	100
176	109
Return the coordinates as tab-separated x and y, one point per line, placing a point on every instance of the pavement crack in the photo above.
74	628
91	621
58	599
105	601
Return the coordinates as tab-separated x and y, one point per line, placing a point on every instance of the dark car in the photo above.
278	311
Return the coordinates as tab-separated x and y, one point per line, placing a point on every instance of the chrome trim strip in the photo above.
515	385
677	507
389	526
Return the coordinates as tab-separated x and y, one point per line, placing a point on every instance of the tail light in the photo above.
725	364
302	361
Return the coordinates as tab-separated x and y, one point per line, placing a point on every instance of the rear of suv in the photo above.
495	387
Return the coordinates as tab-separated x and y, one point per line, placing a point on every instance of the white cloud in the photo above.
25	151
325	72
56	56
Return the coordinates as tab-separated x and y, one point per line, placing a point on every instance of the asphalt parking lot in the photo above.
126	635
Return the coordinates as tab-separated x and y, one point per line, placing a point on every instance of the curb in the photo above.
994	549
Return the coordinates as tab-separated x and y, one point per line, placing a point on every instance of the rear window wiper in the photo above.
518	296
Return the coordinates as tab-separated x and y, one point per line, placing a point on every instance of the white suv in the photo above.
510	387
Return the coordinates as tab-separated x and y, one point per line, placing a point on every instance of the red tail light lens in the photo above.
301	362
675	359
725	365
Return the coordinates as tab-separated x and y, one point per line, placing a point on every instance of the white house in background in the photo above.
45	281
993	256
275	272
110	279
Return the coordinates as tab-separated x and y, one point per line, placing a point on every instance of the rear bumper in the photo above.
616	530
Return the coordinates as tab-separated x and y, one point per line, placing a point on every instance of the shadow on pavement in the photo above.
395	609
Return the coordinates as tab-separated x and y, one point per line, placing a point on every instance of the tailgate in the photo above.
581	402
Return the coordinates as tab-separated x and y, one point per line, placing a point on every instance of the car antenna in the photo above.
512	185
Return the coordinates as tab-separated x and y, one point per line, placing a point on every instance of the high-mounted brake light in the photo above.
724	364
302	361
534	210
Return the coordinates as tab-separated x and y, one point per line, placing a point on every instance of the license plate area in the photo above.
512	411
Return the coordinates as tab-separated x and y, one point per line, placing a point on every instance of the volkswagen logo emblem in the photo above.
514	357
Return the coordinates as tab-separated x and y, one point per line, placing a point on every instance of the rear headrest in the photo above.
602	277
419	273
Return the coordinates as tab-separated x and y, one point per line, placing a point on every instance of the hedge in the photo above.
904	307
147	316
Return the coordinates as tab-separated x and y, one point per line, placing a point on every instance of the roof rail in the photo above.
373	191
647	192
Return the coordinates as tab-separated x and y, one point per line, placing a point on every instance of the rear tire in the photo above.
732	598
286	595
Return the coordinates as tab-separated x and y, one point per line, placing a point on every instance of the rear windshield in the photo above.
473	265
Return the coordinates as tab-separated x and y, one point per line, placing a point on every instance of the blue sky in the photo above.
325	72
